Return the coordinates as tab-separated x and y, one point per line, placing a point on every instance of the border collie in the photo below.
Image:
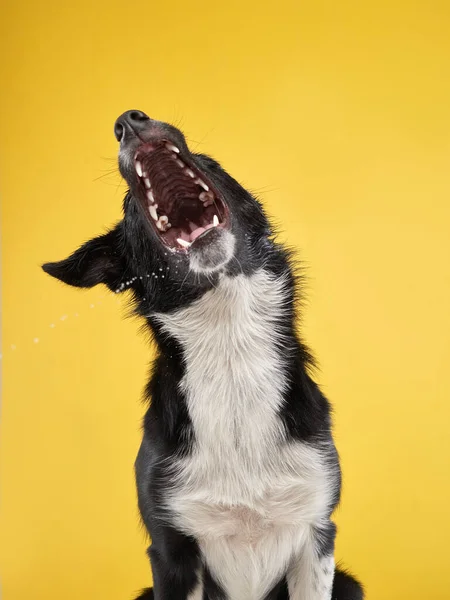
237	474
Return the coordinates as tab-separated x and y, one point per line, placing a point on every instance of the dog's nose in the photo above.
131	122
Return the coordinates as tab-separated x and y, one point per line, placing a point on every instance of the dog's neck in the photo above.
236	342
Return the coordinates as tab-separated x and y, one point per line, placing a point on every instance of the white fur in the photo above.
225	245
310	577
247	494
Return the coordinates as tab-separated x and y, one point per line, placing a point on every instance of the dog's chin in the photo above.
212	251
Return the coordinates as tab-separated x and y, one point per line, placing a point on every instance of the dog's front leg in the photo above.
176	566
311	573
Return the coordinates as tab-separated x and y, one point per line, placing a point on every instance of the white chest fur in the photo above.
245	493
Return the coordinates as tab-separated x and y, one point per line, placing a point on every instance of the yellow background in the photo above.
337	113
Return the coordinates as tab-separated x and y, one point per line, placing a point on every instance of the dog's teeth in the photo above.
215	220
172	148
184	243
180	163
206	196
189	173
163	223
150	196
153	212
138	167
147	183
203	184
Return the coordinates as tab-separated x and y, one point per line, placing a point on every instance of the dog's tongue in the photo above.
196	233
199	231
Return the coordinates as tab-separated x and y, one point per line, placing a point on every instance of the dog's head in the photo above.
185	222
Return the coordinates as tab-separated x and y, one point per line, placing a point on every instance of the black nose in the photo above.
132	122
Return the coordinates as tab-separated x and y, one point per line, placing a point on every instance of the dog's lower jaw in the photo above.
212	252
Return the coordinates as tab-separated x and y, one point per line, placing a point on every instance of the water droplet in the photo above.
13	346
52	325
36	340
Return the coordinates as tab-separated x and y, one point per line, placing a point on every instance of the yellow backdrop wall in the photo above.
337	113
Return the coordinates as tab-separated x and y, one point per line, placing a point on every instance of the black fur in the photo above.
131	257
325	539
344	586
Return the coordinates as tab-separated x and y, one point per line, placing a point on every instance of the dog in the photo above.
237	474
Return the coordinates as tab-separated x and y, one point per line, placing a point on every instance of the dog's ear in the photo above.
97	261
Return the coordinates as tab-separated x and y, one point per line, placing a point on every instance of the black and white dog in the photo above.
237	474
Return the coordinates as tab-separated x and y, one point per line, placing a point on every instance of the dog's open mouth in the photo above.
179	201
